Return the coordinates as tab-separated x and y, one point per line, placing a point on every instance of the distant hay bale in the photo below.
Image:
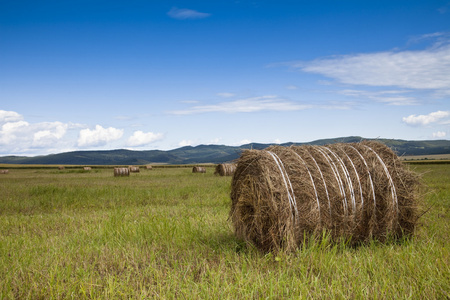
282	196
4	171
198	170
134	169
225	169
87	168
61	167
148	167
121	172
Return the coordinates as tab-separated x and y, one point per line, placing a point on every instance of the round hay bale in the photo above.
87	168
148	167
198	170
121	172
282	196
61	168
133	169
225	169
4	171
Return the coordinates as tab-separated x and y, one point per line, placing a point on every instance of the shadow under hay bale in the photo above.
282	196
119	172
198	170
225	169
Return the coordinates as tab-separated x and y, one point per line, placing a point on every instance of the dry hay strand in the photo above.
198	170
121	172
225	169
133	169
283	196
148	167
4	171
87	168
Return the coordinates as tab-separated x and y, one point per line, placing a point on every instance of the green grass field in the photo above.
164	234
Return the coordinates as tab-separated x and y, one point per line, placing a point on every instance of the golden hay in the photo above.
198	170
225	169
121	172
283	196
133	169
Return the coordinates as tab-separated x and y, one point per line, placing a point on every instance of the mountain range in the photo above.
208	153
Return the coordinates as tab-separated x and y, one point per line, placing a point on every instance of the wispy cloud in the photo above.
255	104
433	117
390	97
186	14
226	95
425	69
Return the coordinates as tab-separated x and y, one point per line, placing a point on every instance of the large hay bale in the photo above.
134	169
121	172
4	171
225	169
198	170
148	167
61	167
283	196
87	168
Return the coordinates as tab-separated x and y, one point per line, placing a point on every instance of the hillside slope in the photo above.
207	153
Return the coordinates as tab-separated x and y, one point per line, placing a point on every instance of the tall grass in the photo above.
164	233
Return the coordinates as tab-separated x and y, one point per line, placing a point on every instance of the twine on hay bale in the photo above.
121	172
134	169
282	196
225	169
198	170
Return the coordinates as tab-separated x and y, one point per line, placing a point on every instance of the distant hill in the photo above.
208	153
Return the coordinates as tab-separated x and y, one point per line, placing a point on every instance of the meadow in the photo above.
165	234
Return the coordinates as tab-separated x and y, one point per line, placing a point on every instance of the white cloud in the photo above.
13	132
425	70
226	95
185	143
140	138
256	104
48	133
185	14
439	134
99	136
426	119
390	97
277	141
18	136
244	142
215	141
291	87
9	116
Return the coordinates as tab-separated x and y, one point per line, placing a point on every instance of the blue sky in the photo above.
143	75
